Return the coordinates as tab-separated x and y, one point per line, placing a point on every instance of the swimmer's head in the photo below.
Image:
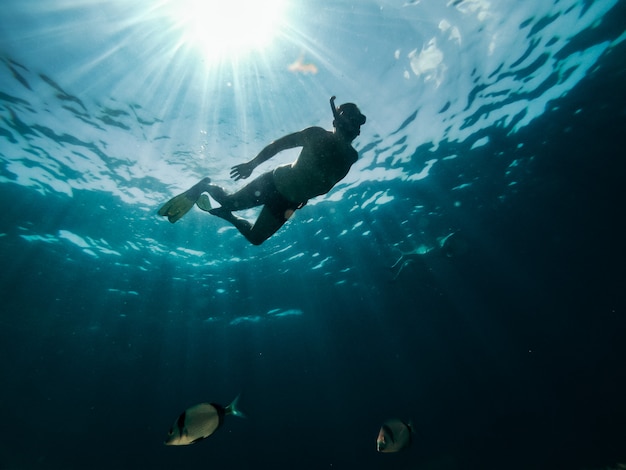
348	118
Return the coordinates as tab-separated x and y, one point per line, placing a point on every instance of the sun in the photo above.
226	28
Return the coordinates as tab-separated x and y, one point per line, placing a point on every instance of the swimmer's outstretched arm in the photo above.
244	170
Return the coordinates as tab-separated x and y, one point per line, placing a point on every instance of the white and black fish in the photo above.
199	422
394	435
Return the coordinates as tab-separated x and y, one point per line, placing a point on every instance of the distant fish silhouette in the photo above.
450	246
407	258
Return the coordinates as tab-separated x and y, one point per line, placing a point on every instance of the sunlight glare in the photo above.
221	28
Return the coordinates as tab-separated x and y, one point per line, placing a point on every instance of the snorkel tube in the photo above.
332	106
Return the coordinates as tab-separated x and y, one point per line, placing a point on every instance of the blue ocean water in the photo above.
498	126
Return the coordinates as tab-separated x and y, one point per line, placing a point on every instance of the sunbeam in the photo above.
218	29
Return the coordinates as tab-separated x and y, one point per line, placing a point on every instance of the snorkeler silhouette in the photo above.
325	159
450	246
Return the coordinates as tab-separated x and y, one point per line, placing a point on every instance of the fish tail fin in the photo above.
233	410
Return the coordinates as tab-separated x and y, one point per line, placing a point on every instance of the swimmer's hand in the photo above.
241	171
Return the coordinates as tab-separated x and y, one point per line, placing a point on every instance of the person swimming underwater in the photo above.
325	159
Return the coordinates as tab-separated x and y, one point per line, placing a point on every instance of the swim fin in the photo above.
204	203
177	207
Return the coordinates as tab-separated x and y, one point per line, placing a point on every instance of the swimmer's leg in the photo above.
265	226
178	206
220	195
227	201
255	193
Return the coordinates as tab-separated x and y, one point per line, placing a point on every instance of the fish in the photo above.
199	421
394	435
